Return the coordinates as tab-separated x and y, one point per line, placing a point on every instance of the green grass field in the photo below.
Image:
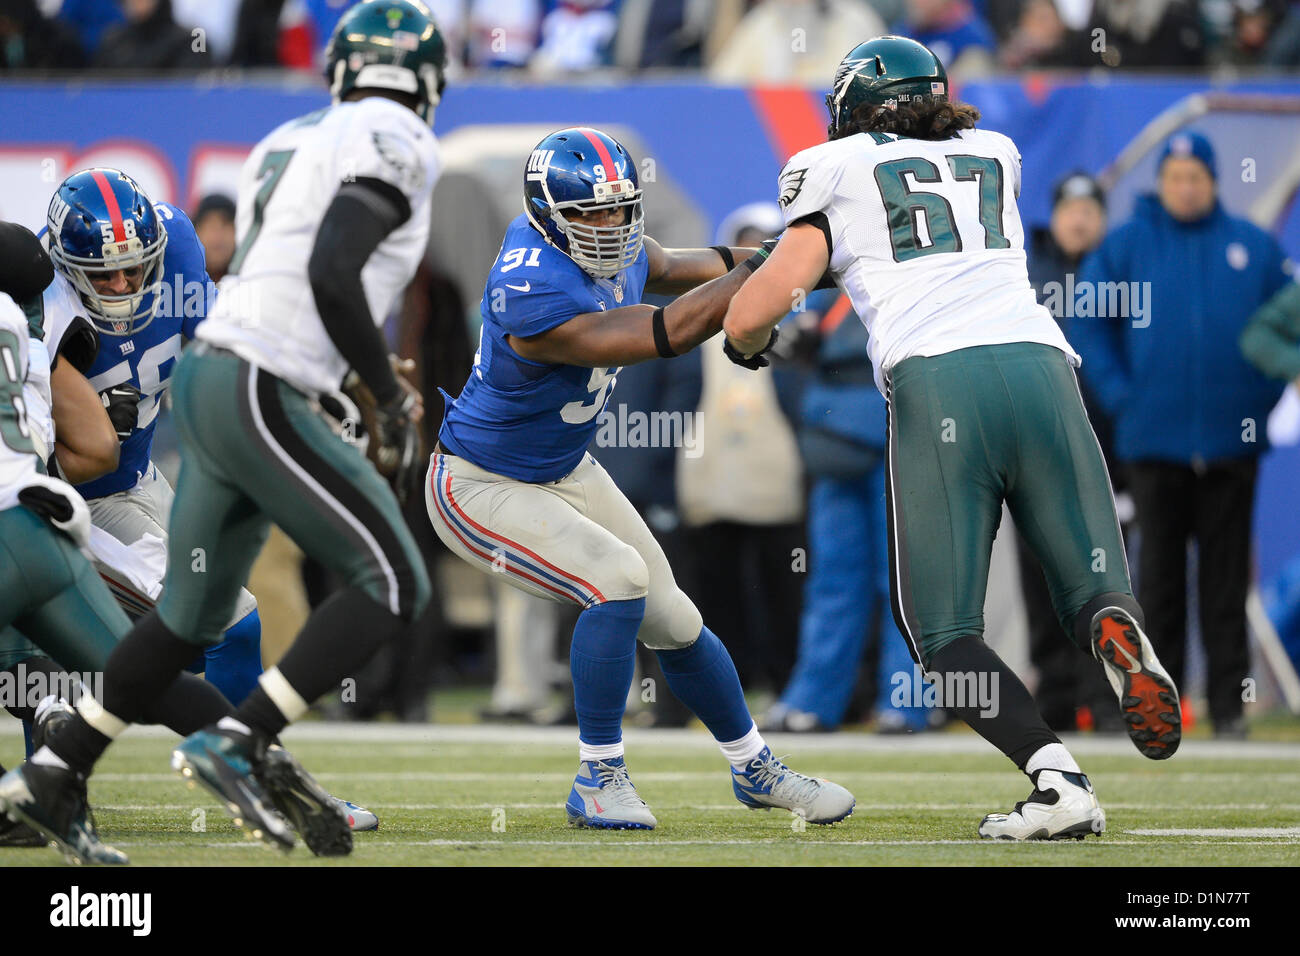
456	795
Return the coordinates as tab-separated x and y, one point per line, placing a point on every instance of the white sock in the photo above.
1051	757
287	700
599	751
741	751
48	758
93	713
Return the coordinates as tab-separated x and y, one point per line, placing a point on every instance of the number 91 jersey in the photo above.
523	419
925	240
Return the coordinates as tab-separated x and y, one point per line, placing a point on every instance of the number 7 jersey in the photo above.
926	240
266	311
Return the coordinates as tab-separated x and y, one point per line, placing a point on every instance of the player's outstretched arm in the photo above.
360	217
673	271
86	444
631	334
796	265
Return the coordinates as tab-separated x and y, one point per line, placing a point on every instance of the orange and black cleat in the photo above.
1147	696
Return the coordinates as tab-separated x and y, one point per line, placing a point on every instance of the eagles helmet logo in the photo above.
844	76
791	185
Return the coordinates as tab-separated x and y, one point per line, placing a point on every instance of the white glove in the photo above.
59	503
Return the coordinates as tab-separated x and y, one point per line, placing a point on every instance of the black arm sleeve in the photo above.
80	345
361	216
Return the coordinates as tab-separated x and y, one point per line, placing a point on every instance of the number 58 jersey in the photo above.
925	239
265	310
528	420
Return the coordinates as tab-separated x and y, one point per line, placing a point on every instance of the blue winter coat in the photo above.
1169	372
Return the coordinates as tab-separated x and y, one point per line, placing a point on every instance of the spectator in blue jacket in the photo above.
846	594
1171	290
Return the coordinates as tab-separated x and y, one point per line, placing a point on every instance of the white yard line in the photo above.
532	737
680	776
379	807
1288	833
617	843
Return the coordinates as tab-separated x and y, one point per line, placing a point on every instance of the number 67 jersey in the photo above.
925	239
266	311
523	419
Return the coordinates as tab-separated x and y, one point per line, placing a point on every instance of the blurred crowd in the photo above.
730	40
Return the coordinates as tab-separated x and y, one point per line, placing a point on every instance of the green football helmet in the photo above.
388	45
884	71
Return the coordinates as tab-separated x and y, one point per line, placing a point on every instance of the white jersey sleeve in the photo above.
807	185
392	150
59	329
17	452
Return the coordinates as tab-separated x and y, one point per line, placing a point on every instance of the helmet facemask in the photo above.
604	251
119	315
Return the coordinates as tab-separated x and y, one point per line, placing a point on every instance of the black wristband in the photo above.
728	259
662	345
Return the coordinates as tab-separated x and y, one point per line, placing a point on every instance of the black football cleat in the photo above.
224	761
317	816
51	714
52	801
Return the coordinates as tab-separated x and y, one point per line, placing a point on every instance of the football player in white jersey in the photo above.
914	211
333	218
49	593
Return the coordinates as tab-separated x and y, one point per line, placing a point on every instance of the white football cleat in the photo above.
603	797
766	782
1063	805
359	818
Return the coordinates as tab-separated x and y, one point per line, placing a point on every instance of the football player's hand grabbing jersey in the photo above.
122	402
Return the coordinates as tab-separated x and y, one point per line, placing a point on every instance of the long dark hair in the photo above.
927	119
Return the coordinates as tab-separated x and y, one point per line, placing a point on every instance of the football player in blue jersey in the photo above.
137	269
512	489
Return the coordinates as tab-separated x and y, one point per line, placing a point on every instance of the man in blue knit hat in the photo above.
1159	308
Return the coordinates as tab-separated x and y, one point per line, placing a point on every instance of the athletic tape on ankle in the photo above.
93	713
286	699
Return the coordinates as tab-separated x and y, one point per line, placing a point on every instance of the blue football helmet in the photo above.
583	170
100	221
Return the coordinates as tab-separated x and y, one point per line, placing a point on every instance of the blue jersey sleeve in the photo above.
529	307
186	258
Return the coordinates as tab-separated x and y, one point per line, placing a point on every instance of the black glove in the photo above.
398	439
58	503
122	402
757	360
